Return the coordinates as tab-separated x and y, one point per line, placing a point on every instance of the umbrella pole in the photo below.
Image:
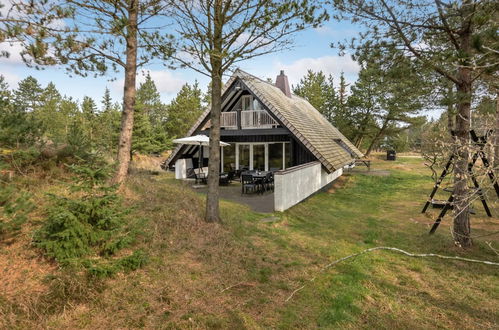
200	165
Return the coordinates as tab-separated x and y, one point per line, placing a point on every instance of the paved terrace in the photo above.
262	203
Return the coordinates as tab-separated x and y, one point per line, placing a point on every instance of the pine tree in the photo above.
319	91
446	37
107	102
388	95
89	116
149	135
17	124
48	115
184	110
28	95
102	36
108	123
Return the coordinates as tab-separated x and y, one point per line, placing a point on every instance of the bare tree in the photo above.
441	35
216	34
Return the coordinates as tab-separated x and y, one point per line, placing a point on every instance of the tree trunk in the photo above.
129	92
496	137
450	110
212	207
462	229
376	138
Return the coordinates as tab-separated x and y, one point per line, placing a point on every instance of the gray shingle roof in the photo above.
304	121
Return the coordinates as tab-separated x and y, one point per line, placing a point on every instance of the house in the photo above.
271	129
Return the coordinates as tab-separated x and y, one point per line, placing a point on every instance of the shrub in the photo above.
14	209
22	161
89	226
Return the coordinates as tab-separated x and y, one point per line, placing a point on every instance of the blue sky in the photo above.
311	51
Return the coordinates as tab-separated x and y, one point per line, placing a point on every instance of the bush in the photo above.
22	161
89	226
14	209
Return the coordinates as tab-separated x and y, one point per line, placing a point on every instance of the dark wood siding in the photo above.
300	154
256	138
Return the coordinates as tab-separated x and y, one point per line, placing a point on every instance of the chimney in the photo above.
282	83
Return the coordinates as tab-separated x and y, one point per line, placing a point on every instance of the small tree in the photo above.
388	95
217	34
443	36
102	36
184	110
318	89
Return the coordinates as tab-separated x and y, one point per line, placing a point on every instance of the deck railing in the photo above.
228	120
249	119
257	119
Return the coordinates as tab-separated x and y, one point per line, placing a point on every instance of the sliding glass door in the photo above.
244	156
263	156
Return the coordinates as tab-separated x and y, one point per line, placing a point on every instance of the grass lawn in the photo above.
238	274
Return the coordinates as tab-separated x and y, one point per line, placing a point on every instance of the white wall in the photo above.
294	184
181	166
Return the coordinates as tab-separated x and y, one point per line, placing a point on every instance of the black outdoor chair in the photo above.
226	178
201	177
248	183
260	184
269	181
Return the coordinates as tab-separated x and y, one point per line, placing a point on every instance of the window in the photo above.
246	102
244	156
257	105
288	160
229	158
275	156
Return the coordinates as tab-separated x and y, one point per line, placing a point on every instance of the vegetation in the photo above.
238	274
446	38
90	226
98	37
41	118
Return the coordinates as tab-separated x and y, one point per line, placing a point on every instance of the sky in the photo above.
311	51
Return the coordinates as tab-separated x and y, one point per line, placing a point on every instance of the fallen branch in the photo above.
490	246
421	255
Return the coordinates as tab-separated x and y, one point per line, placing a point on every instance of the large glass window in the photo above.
244	156
257	105
275	156
229	158
246	101
259	157
288	159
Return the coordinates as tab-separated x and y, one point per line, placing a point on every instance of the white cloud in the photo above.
333	65
11	78
165	81
14	50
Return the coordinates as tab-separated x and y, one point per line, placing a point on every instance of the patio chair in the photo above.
201	177
248	183
226	178
269	181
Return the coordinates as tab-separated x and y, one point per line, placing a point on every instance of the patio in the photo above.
262	203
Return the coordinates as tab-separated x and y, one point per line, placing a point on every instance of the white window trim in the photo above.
266	145
250	97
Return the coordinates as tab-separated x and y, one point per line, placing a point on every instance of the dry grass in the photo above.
238	274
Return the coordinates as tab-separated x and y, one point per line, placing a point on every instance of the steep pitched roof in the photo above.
318	135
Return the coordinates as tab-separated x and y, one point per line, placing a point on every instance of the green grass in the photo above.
238	274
